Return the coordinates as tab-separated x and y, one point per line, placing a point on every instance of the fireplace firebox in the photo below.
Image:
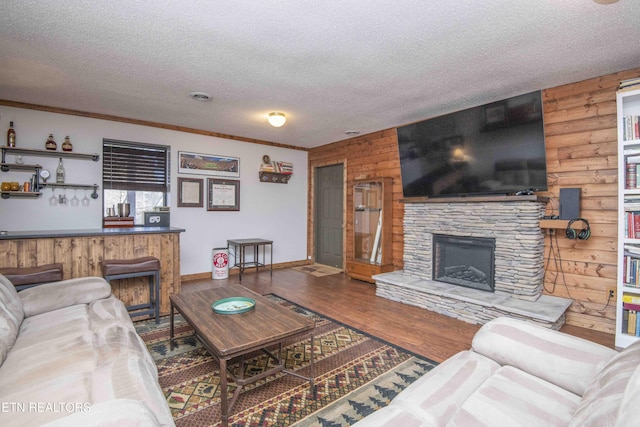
464	261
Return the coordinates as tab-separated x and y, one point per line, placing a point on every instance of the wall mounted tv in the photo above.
496	148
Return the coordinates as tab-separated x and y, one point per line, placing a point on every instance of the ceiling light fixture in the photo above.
352	132
277	119
200	96
605	1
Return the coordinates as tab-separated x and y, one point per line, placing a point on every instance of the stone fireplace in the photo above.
509	226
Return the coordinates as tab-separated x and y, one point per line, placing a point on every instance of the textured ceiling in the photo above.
330	66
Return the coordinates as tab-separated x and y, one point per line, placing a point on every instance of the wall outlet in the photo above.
611	292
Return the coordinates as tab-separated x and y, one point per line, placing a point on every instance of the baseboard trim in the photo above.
234	271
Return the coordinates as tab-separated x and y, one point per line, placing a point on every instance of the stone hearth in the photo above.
519	261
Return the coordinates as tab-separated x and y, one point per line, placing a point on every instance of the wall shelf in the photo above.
37	185
48	153
6	167
277	178
94	187
20	194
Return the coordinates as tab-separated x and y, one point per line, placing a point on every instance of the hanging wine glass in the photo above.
74	200
53	200
85	199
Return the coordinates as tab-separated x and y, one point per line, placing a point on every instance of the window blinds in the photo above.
135	166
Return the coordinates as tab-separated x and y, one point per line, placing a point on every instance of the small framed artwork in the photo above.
190	193
223	194
495	114
208	164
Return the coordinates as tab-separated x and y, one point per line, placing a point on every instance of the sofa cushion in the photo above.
436	396
393	416
564	360
130	378
11	316
8	332
52	296
512	397
628	412
113	413
66	322
30	399
9	297
602	400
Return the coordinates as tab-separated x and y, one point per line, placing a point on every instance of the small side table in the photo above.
237	247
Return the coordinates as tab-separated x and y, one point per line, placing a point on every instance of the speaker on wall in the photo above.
569	203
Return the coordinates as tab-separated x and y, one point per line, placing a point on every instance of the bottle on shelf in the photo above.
60	172
66	145
50	144
11	136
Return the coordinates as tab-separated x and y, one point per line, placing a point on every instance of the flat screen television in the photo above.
497	148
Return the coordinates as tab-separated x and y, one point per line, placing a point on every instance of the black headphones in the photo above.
583	234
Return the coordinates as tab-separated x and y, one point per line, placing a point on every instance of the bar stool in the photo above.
28	277
114	269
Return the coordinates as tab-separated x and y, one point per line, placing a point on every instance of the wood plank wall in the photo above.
581	137
365	157
580	128
81	257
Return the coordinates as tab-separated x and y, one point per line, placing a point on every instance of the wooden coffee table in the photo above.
229	337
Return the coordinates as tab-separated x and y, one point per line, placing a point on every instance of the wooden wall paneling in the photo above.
8	253
26	251
581	138
95	255
111	248
169	247
368	156
45	254
62	254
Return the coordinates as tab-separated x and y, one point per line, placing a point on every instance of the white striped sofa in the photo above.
520	374
70	356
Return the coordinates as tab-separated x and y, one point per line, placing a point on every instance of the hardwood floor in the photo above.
354	303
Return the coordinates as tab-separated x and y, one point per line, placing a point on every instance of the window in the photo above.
135	173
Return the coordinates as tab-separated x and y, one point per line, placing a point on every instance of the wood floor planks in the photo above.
354	303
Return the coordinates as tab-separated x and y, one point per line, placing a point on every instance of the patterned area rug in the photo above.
318	270
355	375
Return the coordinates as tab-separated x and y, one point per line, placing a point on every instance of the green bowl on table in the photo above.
233	305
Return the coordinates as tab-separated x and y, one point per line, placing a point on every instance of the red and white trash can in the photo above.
220	261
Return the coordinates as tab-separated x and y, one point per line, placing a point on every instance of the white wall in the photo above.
271	211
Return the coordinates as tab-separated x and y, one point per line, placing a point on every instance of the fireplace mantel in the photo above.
477	199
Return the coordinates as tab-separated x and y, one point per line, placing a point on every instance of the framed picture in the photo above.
208	164
495	114
223	194
190	193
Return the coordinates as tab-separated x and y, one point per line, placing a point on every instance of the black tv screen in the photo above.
496	148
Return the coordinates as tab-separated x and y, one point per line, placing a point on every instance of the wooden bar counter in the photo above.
81	251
